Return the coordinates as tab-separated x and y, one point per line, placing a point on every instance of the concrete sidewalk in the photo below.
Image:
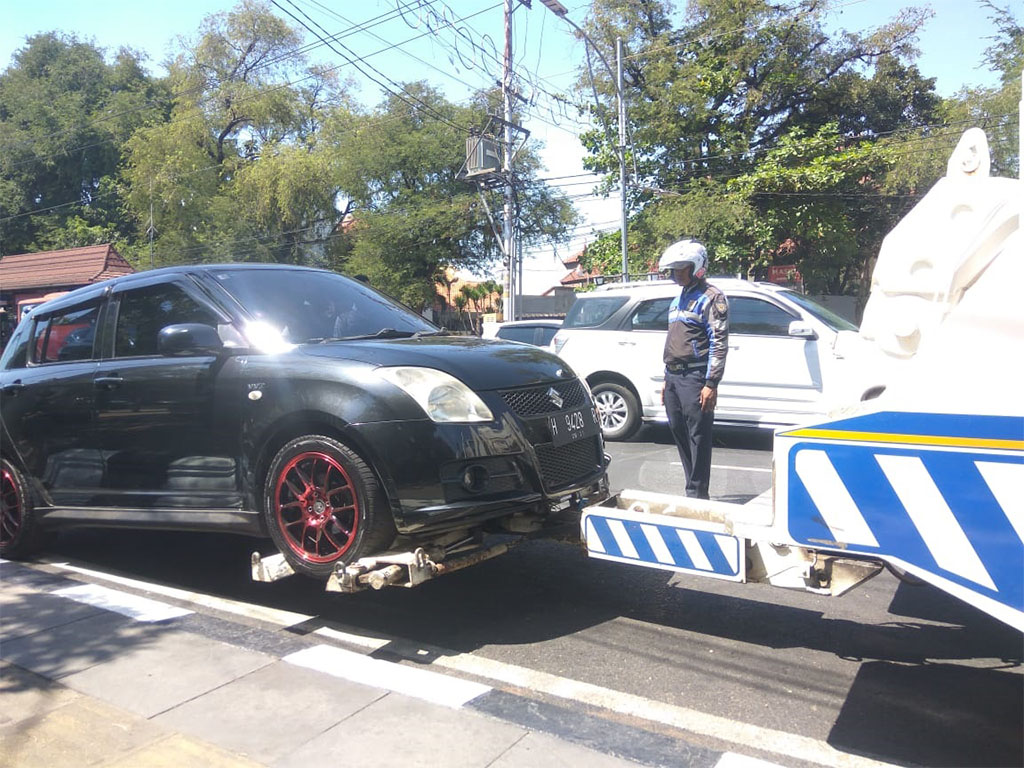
85	680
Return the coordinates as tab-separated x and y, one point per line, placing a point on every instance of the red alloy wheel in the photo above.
11	508
316	507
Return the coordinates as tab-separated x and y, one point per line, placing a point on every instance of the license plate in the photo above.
573	425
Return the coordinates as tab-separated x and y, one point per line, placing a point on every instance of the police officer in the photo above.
695	349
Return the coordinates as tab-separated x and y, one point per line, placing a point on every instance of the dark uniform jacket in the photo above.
698	330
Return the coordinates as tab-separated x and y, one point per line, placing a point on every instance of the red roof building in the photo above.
47	271
27	279
577	276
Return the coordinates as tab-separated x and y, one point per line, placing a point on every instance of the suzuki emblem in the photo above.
555	398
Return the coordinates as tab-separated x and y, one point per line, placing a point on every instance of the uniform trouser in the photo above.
691	428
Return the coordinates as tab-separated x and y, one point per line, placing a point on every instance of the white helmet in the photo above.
684	252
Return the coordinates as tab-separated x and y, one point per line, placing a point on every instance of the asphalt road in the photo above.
899	673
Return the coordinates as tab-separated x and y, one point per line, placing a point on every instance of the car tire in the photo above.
323	506
618	409
20	535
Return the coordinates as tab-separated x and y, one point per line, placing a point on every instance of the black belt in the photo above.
683	367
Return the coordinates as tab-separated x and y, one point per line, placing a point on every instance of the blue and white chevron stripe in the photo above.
920	490
672	544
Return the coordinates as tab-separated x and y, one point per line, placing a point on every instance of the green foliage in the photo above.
750	126
414	216
64	113
237	172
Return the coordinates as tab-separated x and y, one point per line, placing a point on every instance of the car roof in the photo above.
96	290
547	321
669	287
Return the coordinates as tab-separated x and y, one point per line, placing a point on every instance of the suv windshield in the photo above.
310	306
590	311
827	316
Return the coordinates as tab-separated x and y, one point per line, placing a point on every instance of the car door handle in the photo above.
14	388
627	343
108	382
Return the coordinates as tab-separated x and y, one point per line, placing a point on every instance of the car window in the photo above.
65	335
591	311
754	316
651	315
305	305
545	334
826	315
144	312
523	333
16	352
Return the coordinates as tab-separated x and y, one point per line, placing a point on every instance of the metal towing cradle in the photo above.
412	567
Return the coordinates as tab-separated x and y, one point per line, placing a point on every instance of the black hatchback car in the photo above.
285	402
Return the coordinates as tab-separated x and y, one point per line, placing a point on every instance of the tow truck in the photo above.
924	475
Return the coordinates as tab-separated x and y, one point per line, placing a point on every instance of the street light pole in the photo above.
510	295
622	157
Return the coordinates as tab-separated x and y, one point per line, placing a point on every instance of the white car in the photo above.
536	332
789	359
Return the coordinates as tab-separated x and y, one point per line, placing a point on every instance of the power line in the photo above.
412	100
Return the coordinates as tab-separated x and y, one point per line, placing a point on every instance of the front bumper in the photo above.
445	476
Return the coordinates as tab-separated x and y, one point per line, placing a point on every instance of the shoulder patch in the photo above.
721	305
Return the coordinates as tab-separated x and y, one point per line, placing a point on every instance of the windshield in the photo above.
590	311
308	306
827	316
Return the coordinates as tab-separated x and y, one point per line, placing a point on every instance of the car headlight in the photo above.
443	397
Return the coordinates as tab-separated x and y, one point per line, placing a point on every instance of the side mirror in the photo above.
802	330
189	339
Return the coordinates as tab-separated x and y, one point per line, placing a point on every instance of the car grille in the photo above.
568	463
536	401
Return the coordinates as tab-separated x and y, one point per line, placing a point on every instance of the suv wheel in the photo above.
619	410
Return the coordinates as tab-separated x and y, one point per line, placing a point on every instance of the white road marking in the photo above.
361	641
259	612
933	518
833	500
732	760
1006	481
125	603
728	466
411	681
781	743
729	731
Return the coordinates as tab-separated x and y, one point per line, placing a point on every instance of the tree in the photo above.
414	215
65	114
237	172
712	100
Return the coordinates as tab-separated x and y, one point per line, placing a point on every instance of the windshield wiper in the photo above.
383	333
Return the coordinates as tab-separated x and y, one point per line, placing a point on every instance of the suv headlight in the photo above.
443	397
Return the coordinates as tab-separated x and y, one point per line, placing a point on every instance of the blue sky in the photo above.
952	47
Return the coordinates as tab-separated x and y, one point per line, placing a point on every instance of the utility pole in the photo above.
622	158
507	234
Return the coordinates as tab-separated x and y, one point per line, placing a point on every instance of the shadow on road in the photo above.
927	715
550	597
724	437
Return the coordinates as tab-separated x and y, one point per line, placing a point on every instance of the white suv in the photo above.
790	359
